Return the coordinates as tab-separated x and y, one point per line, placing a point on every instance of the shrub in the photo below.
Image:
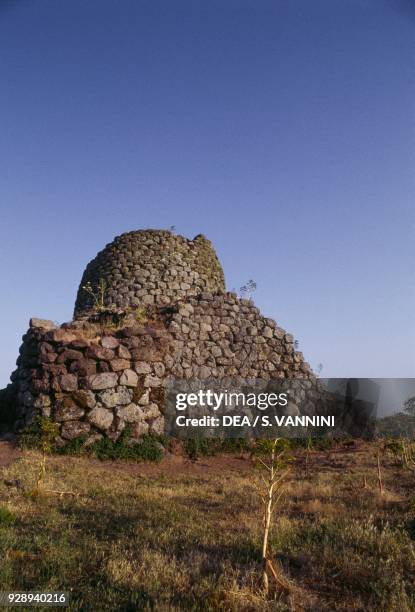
73	447
40	434
149	448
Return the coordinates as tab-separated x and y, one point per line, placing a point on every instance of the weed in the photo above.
141	315
97	293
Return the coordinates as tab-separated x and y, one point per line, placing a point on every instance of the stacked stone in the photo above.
93	379
150	267
91	384
221	335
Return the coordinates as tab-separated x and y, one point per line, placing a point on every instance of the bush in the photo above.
40	434
149	448
73	447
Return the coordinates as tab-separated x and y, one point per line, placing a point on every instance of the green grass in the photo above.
7	518
368	558
208	447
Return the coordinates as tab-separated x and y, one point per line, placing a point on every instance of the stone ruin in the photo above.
163	313
151	267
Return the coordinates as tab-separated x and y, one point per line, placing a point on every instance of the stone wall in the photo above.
151	267
93	379
223	335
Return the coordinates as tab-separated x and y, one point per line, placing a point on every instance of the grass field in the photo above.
182	535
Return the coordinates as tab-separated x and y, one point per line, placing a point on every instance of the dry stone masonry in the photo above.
216	336
151	267
108	369
91	382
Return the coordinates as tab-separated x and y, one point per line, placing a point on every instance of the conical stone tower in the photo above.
151	267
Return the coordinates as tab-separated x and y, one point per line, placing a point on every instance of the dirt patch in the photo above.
175	466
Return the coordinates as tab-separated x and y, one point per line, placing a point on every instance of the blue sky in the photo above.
283	130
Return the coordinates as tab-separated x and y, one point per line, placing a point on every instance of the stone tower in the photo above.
94	377
151	267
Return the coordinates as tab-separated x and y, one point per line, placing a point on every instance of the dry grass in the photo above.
135	540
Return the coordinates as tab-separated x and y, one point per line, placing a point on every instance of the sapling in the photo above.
379	473
272	459
48	433
380	449
249	289
309	448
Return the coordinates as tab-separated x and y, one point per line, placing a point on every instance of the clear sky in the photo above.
283	130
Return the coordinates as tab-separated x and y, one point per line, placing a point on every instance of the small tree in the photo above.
308	448
249	289
272	459
379	472
48	433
